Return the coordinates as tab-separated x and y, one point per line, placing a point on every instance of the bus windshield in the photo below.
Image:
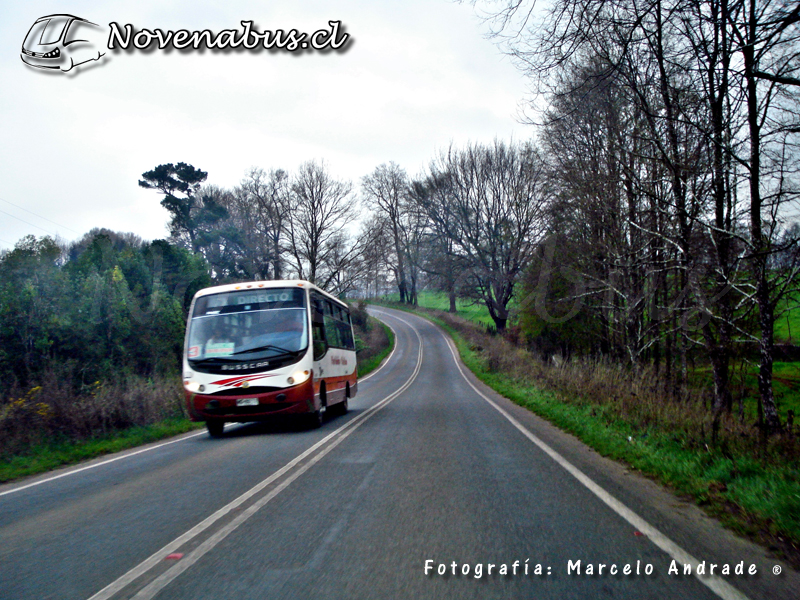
247	325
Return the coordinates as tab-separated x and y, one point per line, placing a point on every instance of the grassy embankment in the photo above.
79	421
374	344
751	487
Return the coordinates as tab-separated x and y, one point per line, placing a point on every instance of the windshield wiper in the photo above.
280	349
214	359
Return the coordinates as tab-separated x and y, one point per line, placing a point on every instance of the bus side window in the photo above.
345	334
331	330
318	338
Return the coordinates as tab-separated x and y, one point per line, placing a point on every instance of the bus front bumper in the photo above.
238	406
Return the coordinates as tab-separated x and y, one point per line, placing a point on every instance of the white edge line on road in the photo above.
99	464
165	578
186	437
719	586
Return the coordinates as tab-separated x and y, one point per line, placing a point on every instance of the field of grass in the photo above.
785	386
787	324
468	309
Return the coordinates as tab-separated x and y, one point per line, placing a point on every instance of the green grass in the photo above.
785	386
771	495
787	325
468	309
47	457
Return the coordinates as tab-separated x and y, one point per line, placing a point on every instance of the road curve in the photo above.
428	472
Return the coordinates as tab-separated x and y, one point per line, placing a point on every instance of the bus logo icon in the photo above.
62	42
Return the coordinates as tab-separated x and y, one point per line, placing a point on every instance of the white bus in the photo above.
265	348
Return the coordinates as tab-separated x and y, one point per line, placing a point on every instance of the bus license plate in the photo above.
247	402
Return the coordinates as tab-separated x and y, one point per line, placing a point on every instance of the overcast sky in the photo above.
417	75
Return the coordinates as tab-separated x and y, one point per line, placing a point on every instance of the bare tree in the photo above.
322	208
386	192
438	259
265	197
489	201
373	275
768	40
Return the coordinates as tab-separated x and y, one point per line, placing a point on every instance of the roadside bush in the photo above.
359	316
371	338
634	396
54	410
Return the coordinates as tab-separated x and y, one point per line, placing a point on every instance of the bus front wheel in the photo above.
315	419
215	428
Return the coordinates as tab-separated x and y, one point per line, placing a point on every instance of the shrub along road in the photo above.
430	471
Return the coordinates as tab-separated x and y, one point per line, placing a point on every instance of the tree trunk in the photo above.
760	243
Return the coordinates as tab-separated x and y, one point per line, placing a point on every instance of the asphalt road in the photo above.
429	471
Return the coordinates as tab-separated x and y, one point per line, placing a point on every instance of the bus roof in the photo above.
275	283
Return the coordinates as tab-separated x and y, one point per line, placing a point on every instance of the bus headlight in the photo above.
192	386
298	377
